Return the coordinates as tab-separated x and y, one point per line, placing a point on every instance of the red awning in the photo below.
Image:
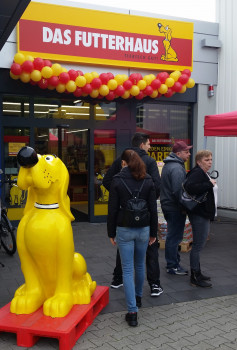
221	124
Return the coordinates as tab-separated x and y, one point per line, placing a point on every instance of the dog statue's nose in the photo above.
27	157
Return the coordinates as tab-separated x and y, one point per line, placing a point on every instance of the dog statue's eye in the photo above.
49	158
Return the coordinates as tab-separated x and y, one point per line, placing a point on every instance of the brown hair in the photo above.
202	154
135	164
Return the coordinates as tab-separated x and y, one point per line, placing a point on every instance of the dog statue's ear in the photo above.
64	203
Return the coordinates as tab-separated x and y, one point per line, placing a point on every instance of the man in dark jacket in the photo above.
140	144
172	177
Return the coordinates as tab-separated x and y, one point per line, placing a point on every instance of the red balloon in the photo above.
16	69
80	72
27	66
73	74
120	90
87	89
33	82
127	84
169	93
78	92
187	71
177	86
148	90
155	84
110	75
183	79
47	63
104	78
96	83
162	76
38	63
53	81
43	83
64	78
110	96
140	96
100	97
135	77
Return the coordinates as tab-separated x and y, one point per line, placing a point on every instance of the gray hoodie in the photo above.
173	174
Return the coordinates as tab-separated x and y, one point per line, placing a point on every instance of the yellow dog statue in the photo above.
55	276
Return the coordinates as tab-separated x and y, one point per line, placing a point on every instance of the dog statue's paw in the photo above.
83	290
25	303
59	305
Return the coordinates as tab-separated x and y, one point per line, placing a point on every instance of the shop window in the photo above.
61	109
15	106
165	124
46	140
14	197
105	111
104	155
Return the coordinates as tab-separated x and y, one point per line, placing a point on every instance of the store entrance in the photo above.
71	145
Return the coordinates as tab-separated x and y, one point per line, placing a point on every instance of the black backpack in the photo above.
136	213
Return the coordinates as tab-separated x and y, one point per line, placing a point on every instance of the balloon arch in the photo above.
46	75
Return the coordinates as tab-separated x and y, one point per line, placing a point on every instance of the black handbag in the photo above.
188	201
136	213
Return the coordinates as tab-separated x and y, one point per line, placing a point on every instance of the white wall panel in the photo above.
226	148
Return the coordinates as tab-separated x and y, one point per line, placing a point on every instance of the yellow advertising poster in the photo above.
96	37
14	148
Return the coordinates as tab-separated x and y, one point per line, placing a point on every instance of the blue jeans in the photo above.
200	228
175	230
132	243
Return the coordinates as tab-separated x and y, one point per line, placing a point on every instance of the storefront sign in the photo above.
14	148
98	37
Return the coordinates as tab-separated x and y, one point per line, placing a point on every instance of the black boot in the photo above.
197	281
131	318
204	278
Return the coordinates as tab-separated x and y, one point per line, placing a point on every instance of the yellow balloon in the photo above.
29	58
13	76
152	76
36	75
56	68
112	84
89	77
46	72
125	77
19	58
126	95
25	77
183	89
154	94
190	84
71	86
64	70
142	84
95	75
104	90
134	91
175	75
163	89
119	79
169	82
60	88
94	93
147	79
80	81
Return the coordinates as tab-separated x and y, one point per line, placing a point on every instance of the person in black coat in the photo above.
132	241
198	183
141	145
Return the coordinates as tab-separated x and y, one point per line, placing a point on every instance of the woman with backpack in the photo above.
132	223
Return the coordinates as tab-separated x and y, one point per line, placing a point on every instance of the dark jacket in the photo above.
151	169
119	195
198	183
172	177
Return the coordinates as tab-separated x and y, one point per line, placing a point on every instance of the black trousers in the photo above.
152	265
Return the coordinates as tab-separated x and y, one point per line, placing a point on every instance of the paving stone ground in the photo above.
182	318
